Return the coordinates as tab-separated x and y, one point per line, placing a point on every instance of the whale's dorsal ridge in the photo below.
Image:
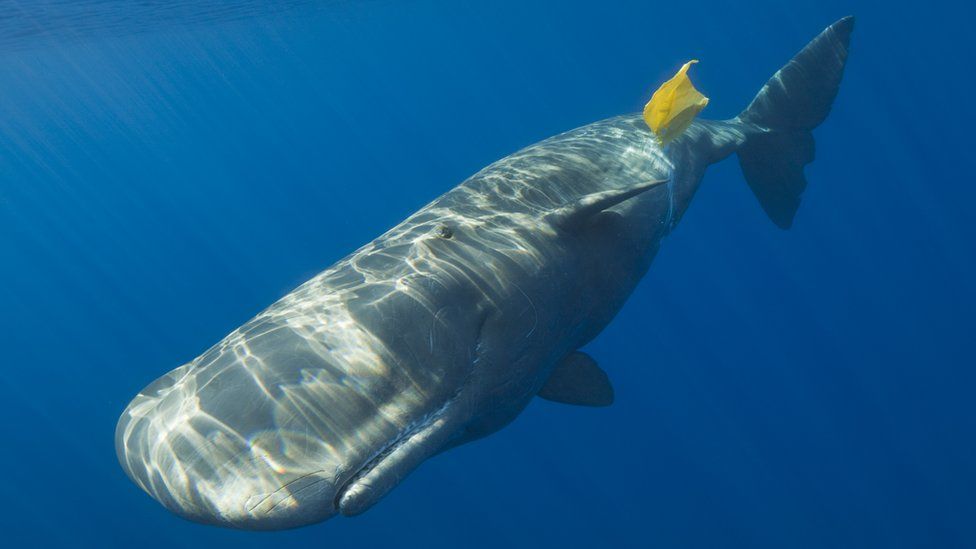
578	380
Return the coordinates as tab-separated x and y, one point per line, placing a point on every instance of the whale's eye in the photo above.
443	231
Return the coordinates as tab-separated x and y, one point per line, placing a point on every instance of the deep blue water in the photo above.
166	172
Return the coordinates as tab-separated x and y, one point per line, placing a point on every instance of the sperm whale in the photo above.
443	329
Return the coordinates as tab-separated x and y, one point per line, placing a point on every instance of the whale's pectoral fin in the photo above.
576	214
578	380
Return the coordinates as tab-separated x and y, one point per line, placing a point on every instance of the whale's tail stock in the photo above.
780	119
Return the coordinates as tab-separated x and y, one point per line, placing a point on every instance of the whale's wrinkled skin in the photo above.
442	330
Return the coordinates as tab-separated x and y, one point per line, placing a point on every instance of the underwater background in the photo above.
169	169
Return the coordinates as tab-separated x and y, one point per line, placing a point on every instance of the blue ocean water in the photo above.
167	170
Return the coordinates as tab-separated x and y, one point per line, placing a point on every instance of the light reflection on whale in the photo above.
443	329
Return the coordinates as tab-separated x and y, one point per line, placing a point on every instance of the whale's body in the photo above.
442	330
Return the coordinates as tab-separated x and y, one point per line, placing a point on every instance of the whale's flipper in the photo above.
793	102
578	380
575	214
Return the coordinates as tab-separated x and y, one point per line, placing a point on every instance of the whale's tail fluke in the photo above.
793	102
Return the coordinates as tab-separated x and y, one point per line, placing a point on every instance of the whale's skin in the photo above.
413	329
443	329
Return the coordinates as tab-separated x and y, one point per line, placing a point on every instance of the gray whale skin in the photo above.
443	329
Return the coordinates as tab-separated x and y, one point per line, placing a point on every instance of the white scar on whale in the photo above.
442	330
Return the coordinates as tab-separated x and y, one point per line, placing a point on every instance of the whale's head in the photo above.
286	422
264	430
201	450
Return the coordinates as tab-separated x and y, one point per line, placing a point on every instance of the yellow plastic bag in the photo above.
674	106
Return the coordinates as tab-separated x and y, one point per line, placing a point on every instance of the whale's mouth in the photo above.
371	464
391	464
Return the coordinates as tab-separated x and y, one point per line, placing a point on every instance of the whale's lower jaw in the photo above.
381	474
